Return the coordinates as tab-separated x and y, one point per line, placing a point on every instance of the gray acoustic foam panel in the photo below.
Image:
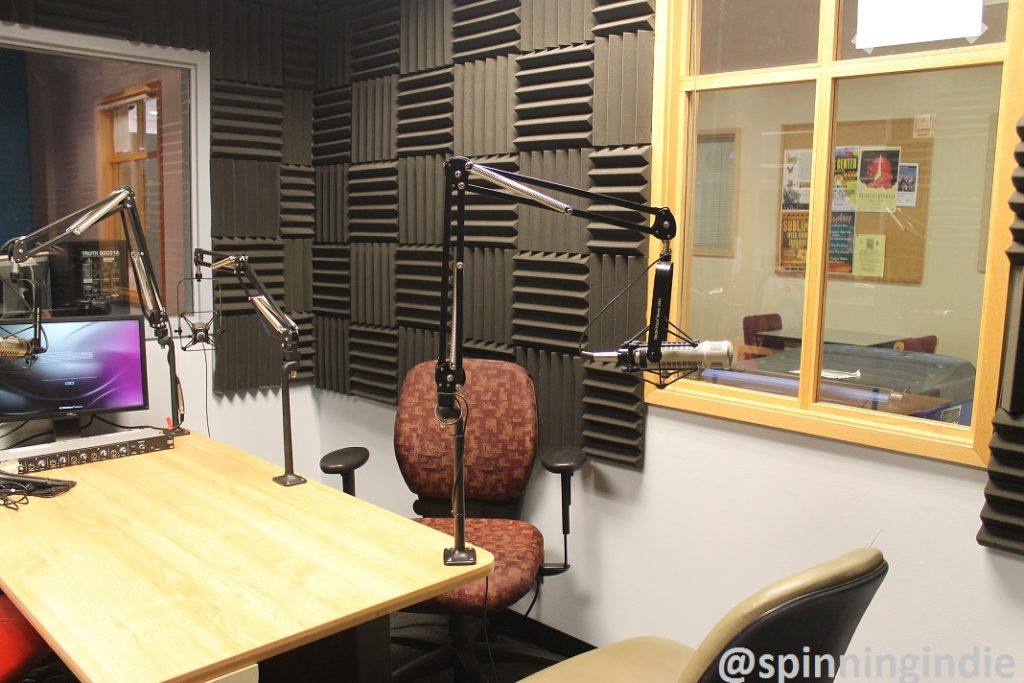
332	28
623	89
20	11
485	28
246	121
485	106
555	92
245	197
425	116
246	42
627	309
297	142
332	279
492	222
543	230
246	357
307	346
298	271
417	288
487	308
298	201
374	119
625	173
555	23
331	205
372	195
474	348
267	260
373	278
374	32
331	363
373	362
425	40
613	415
332	126
180	23
1002	516
100	17
557	379
415	345
623	16
550	307
300	53
420	200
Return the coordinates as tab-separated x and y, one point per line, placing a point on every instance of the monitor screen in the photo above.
89	366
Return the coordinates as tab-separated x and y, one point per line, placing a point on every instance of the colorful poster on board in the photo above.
869	255
876	183
793	240
840	242
906	185
844	178
796	179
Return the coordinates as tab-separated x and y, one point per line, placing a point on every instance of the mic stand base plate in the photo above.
289	479
459	558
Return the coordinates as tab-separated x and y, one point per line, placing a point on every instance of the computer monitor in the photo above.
90	366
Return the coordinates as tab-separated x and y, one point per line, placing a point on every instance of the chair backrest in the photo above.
753	325
924	344
818	608
501	439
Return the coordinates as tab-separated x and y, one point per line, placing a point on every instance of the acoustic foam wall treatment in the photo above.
488	295
414	346
613	415
298	201
484	28
555	23
266	258
242	199
331	360
246	358
622	16
182	23
555	91
610	275
372	195
542	230
332	279
300	56
373	362
374	31
246	42
100	17
491	222
485	106
332	69
417	273
307	346
298	272
623	89
374	119
549	308
373	268
556	379
332	126
622	172
246	121
331	205
297	141
425	116
420	199
425	40
20	11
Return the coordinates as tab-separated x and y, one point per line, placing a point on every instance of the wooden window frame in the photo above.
676	86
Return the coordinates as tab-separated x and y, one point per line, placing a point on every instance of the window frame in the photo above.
675	89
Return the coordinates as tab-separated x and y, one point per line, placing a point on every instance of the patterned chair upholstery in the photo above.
754	345
20	644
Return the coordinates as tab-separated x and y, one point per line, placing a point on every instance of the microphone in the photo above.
16	347
674	356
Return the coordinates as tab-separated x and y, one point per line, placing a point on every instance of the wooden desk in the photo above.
190	563
793	336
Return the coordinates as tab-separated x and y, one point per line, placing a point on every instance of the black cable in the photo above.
487	639
583	335
48	432
206	391
536	594
23	423
120	426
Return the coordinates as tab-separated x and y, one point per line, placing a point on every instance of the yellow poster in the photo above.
793	240
869	256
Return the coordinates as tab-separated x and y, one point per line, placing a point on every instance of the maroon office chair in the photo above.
754	345
20	645
500	448
922	344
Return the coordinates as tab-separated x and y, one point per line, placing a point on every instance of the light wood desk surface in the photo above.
190	563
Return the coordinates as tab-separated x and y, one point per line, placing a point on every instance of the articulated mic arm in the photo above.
121	203
277	323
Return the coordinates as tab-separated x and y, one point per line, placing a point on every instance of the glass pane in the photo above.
125	128
758	287
883	27
774	33
913	171
152	125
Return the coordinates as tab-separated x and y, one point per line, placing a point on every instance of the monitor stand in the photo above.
66	428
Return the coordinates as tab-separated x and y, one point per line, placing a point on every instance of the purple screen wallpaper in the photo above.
88	366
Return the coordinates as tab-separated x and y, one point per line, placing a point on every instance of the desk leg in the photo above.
359	655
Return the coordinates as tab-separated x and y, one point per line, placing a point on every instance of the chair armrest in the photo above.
565	460
345	461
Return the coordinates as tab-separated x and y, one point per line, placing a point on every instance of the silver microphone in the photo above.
16	347
674	356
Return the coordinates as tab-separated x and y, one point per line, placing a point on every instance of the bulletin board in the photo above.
879	216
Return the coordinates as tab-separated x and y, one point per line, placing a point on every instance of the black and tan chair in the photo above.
818	608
